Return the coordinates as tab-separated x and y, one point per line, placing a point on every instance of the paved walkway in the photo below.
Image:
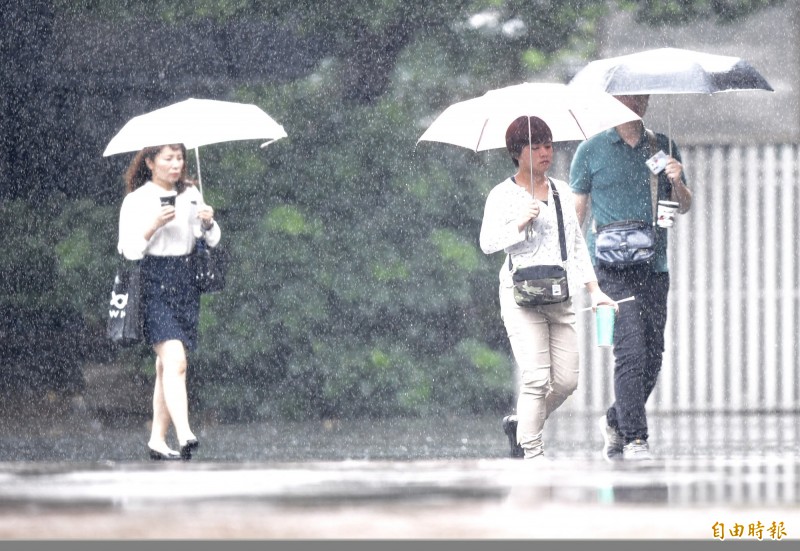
493	498
403	479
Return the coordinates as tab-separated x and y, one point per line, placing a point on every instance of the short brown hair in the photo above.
517	135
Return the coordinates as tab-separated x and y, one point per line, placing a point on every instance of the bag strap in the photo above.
124	263
651	138
560	218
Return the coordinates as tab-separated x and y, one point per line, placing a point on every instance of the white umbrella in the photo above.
196	122
571	113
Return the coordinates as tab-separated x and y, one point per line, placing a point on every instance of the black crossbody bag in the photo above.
545	284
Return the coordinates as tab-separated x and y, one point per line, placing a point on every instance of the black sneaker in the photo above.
510	428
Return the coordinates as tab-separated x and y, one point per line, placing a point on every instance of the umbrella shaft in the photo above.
199	176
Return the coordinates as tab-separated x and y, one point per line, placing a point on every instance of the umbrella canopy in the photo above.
196	122
193	123
571	113
670	71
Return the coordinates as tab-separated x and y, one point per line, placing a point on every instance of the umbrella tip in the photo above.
265	144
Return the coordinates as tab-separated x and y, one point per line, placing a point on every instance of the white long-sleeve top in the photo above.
175	238
499	231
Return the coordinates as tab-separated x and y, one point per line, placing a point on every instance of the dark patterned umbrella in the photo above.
670	71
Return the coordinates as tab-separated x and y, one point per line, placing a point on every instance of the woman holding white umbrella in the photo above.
162	215
522	217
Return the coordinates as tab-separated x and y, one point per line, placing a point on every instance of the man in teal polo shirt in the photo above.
609	175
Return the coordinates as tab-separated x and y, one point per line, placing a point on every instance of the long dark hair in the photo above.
139	173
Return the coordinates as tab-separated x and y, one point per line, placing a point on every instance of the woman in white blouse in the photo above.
520	218
161	216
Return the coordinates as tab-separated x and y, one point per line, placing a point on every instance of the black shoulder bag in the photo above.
542	285
629	243
210	266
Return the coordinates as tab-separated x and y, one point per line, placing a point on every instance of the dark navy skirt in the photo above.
171	300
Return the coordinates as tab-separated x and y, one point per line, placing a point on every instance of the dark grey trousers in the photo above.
638	344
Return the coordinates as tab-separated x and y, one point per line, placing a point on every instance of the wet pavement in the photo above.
409	479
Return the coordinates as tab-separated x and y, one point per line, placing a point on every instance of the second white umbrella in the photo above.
571	113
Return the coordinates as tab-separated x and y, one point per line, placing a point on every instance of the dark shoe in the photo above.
612	441
158	456
510	428
188	448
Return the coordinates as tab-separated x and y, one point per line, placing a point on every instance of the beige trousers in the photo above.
545	346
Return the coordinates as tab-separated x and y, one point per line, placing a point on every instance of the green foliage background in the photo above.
357	287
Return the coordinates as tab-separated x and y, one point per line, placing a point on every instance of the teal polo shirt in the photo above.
618	180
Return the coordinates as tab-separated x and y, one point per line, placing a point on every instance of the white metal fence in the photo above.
733	317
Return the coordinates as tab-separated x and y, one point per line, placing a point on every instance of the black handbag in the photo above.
124	325
210	266
620	245
629	243
543	284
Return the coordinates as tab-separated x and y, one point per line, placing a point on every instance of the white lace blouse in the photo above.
541	245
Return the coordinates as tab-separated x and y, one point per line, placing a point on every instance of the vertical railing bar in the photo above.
752	282
719	296
697	383
789	230
737	282
769	250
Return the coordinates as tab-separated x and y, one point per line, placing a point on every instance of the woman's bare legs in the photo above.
161	419
174	402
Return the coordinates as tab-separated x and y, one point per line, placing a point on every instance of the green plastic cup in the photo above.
605	316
